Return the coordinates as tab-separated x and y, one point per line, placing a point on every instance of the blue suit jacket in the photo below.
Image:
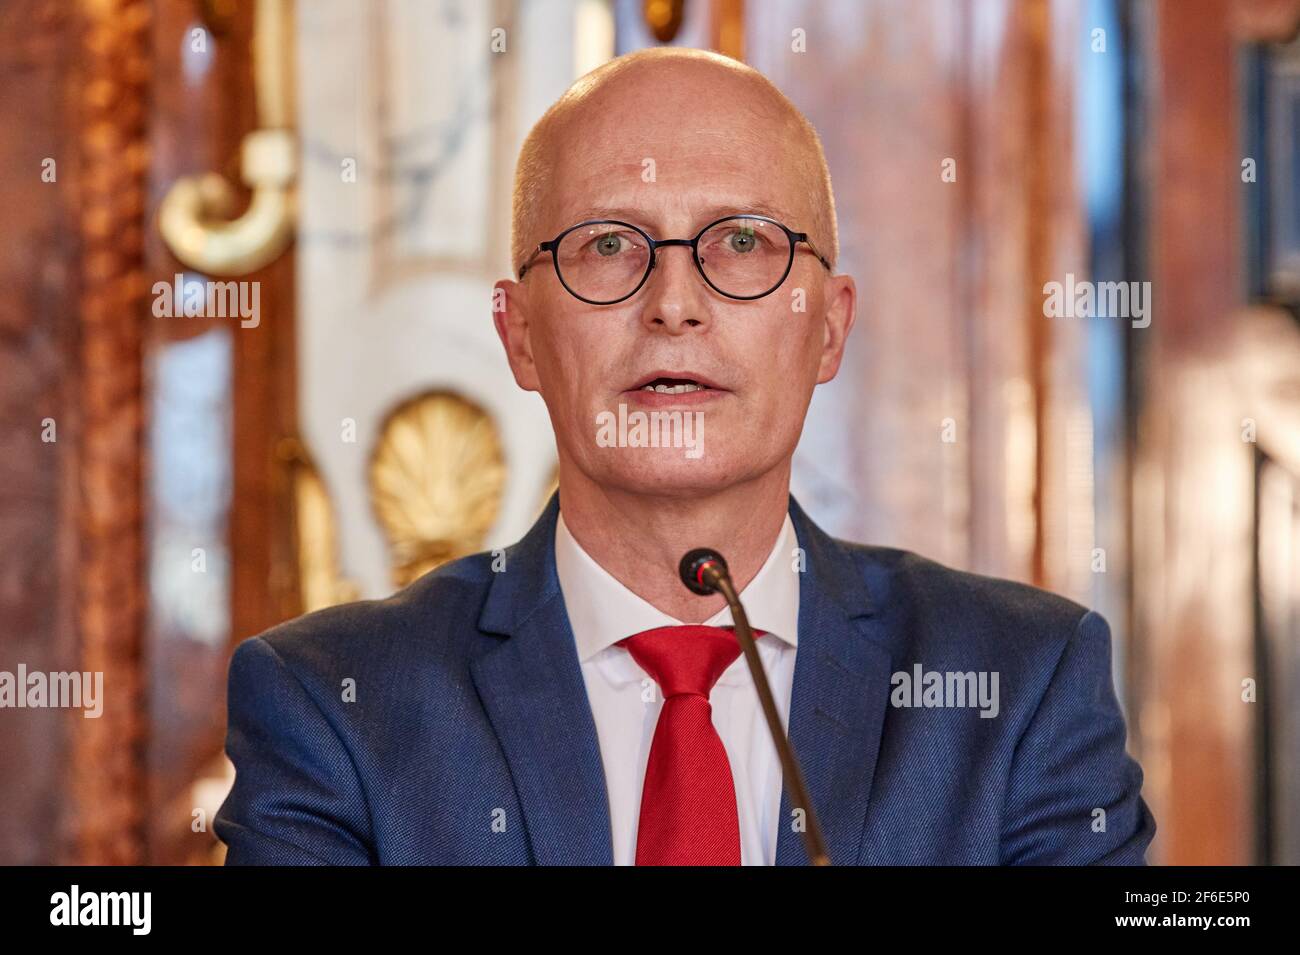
470	740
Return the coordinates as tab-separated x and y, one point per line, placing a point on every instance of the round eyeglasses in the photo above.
605	261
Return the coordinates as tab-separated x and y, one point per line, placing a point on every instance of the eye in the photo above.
736	239
610	244
742	240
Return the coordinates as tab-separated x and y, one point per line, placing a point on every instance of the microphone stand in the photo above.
710	573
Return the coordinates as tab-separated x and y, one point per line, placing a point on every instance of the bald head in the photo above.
659	103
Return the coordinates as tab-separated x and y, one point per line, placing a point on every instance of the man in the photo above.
674	240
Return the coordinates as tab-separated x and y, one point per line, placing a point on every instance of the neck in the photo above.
640	539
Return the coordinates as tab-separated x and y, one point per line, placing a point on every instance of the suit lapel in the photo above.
532	688
837	707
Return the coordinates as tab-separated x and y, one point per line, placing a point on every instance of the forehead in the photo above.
670	168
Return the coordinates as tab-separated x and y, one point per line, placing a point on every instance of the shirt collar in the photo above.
602	611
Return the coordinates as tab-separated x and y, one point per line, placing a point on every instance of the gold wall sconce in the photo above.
194	218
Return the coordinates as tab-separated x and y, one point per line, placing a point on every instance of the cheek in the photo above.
787	342
571	363
786	359
558	350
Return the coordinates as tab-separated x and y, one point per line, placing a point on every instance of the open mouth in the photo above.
673	386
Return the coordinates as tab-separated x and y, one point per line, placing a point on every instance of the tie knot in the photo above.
685	659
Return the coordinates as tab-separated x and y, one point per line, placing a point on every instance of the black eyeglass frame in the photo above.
655	244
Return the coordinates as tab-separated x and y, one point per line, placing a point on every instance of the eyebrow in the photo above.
760	207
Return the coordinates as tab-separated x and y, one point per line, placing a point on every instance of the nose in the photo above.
677	298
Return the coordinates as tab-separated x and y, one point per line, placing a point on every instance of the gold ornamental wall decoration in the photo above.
316	535
437	475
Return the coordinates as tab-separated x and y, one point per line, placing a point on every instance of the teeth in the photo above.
674	389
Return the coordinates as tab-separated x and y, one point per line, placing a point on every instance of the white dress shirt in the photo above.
602	611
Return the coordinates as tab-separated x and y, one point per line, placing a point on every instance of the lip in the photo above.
645	379
653	399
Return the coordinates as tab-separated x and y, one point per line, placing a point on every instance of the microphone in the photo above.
704	572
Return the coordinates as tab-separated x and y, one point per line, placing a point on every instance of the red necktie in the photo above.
688	801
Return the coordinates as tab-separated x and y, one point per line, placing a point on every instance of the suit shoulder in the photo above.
423	611
963	601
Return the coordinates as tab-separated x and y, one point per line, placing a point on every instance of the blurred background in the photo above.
171	484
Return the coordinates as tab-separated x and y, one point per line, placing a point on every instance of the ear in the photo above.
510	316
841	312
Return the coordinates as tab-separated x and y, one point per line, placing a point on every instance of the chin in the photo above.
667	472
